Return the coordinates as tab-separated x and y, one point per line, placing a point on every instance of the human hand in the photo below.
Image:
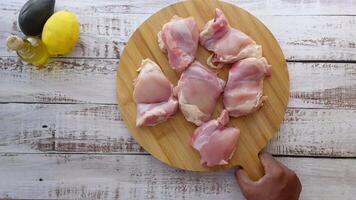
278	183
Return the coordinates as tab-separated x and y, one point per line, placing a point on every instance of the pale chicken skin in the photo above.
215	142
228	44
198	90
179	38
243	93
153	94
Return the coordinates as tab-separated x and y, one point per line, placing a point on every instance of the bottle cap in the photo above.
14	43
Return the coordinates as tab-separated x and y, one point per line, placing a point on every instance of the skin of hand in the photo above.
278	183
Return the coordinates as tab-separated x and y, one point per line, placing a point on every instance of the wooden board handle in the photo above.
255	169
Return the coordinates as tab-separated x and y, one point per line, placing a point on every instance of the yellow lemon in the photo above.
60	33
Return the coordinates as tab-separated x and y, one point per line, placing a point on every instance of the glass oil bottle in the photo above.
30	49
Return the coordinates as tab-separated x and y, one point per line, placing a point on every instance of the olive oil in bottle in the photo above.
30	49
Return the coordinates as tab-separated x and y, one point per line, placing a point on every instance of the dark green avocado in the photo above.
33	16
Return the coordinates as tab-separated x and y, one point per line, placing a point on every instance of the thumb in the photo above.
243	180
269	163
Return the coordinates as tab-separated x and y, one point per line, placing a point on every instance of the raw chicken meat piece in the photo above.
215	143
243	93
228	44
153	94
198	90
179	38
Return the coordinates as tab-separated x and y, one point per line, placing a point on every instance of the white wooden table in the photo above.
61	136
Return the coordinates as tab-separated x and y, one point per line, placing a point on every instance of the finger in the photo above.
243	180
300	187
269	163
272	163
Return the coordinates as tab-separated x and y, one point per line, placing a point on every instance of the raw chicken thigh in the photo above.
198	90
243	93
215	143
153	95
228	44
179	38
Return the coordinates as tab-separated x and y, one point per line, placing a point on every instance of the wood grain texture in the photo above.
106	27
89	128
323	85
64	176
67	80
260	7
169	141
61	81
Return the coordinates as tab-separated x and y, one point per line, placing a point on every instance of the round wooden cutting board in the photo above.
170	141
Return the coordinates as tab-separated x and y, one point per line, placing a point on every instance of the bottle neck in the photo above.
22	47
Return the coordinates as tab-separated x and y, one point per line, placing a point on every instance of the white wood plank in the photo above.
62	81
262	7
104	34
99	129
93	81
59	176
322	85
